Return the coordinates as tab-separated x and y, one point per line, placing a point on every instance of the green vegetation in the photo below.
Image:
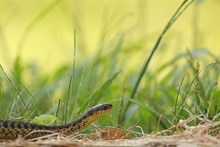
186	85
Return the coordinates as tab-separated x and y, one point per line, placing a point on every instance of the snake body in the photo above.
11	130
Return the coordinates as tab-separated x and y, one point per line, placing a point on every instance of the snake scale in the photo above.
11	130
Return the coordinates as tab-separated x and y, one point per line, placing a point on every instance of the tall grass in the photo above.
175	16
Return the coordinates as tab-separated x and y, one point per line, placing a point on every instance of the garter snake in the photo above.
10	130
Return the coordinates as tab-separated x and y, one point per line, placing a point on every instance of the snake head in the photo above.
98	111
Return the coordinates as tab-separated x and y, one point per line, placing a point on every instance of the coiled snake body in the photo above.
11	130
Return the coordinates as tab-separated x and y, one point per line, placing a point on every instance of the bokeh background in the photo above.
43	31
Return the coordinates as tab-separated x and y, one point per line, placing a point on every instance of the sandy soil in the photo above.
148	140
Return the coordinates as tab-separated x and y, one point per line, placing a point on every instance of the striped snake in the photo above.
11	130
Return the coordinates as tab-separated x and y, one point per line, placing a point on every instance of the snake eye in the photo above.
107	106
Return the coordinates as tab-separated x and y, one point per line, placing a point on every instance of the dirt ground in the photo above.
148	140
183	139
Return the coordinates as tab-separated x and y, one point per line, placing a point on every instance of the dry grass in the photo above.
182	134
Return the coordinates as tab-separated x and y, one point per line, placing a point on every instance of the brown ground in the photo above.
148	140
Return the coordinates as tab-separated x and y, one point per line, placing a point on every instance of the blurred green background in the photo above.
42	74
50	37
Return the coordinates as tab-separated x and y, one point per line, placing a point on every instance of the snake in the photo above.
11	130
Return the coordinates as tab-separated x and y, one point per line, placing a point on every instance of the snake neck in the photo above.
77	125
